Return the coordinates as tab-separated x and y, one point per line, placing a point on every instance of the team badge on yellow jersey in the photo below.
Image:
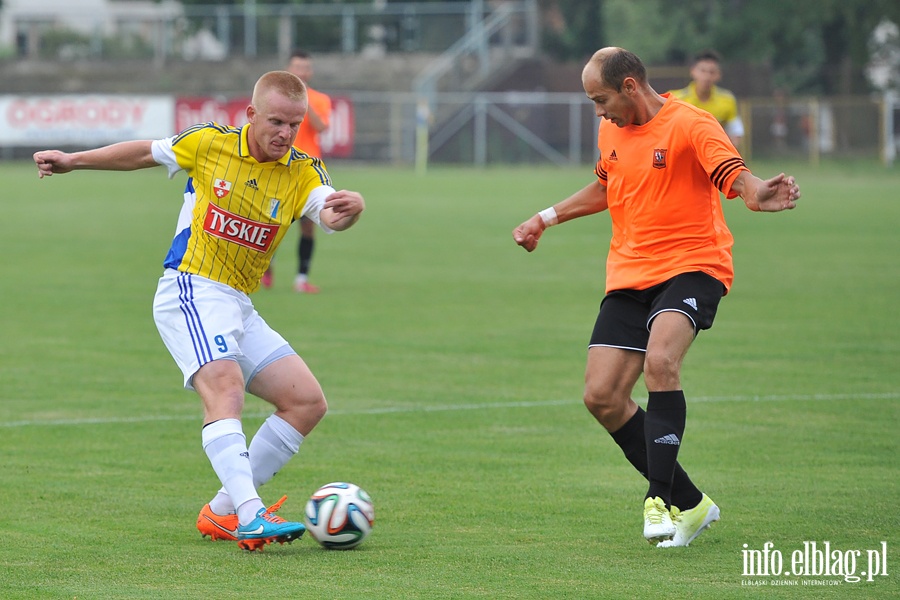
221	187
274	203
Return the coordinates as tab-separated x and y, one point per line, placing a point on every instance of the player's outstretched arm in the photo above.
342	209
124	156
772	195
587	201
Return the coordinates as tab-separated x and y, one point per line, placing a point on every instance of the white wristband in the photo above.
548	216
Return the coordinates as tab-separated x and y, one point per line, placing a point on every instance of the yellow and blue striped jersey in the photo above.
236	210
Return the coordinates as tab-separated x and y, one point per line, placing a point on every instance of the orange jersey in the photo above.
663	180
307	137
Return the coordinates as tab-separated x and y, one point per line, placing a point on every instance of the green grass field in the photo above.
453	363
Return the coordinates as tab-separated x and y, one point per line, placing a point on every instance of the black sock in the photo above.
663	430
685	494
630	438
306	252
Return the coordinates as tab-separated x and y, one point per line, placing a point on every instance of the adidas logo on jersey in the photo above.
671	440
251	183
692	302
613	157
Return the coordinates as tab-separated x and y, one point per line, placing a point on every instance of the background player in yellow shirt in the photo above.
702	92
245	187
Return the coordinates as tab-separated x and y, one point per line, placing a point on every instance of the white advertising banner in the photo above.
83	120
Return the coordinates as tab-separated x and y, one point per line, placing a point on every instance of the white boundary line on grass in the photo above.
450	407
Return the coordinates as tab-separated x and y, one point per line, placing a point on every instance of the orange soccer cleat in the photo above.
217	527
224	527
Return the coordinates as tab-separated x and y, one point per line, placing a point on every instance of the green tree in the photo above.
573	29
816	46
813	46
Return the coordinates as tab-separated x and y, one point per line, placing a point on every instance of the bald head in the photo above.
610	66
616	82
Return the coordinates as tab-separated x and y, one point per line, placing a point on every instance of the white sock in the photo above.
271	448
247	511
226	446
222	504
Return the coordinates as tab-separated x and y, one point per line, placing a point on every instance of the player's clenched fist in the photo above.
528	233
51	161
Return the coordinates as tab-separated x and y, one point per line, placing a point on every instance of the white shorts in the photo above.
201	320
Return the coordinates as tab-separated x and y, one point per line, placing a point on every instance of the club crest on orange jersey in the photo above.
221	188
659	158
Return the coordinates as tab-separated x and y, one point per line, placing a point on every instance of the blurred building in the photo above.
25	25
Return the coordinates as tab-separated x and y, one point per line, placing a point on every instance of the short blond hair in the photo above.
287	84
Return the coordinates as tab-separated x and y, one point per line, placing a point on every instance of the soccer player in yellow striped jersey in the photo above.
236	211
245	186
703	92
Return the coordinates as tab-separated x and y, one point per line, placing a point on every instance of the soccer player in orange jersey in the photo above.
662	165
245	187
318	119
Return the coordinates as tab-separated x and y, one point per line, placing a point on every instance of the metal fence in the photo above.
813	128
479	128
561	128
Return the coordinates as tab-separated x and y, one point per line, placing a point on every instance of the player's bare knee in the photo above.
604	405
319	407
312	403
303	411
661	371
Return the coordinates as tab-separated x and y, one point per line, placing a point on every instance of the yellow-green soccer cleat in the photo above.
658	525
691	523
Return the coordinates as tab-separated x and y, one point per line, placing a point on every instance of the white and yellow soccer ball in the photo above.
340	515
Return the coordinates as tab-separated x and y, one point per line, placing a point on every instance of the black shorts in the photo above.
625	315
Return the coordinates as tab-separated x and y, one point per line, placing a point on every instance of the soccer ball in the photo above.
339	515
